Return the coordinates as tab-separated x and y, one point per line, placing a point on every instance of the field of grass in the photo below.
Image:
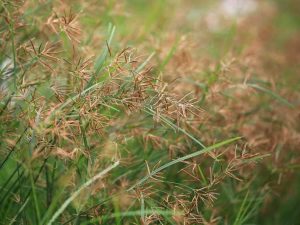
150	112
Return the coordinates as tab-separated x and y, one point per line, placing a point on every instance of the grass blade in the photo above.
139	69
101	59
151	112
76	193
271	93
181	159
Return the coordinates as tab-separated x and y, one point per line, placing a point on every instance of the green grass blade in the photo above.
19	212
169	56
181	159
271	93
175	127
101	59
137	213
139	69
76	193
72	99
35	199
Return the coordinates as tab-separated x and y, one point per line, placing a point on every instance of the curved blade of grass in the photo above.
271	93
72	99
247	209
101	59
13	148
76	193
137	213
30	191
54	203
139	69
238	217
175	127
169	56
19	212
181	159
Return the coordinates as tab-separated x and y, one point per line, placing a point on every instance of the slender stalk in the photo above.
76	193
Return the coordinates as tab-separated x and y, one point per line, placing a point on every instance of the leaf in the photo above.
271	93
181	159
76	193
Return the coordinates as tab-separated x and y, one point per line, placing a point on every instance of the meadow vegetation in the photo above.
149	112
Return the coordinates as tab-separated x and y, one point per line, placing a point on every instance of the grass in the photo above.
149	112
77	192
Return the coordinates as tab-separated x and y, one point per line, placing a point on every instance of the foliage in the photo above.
149	112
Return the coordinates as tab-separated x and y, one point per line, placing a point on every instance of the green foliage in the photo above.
148	112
